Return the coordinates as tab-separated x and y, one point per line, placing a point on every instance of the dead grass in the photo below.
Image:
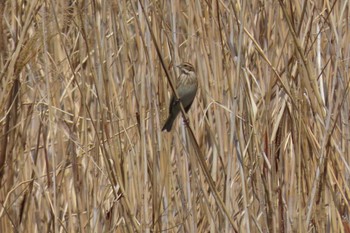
84	93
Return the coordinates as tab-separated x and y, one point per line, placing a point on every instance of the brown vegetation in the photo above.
84	91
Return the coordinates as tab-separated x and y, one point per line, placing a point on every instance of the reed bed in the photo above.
84	91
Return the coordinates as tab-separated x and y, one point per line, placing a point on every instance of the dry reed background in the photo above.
84	95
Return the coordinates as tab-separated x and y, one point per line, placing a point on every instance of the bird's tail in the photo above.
169	123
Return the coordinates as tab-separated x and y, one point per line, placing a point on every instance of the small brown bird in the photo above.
186	89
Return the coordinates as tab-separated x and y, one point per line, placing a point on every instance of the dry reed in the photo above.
85	87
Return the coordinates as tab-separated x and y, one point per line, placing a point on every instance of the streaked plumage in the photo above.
186	89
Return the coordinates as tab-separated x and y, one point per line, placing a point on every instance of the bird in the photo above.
186	89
